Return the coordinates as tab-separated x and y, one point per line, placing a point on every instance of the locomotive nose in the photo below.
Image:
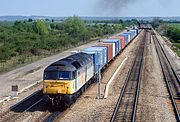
58	87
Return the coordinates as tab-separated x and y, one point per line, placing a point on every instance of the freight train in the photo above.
145	25
67	78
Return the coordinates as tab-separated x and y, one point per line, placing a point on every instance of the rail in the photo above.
16	111
132	82
170	77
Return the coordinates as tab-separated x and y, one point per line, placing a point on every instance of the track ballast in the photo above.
170	77
126	106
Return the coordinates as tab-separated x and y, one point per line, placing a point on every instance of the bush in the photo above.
21	59
5	53
40	27
177	45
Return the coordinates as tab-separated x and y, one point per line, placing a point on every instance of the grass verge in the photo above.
176	48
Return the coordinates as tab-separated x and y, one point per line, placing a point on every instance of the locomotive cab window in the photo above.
65	75
55	75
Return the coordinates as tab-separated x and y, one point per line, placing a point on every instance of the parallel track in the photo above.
19	111
48	116
170	77
126	106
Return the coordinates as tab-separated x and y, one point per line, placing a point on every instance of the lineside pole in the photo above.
99	84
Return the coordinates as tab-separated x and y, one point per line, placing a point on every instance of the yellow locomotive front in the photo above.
58	82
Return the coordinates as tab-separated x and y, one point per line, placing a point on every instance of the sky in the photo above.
115	8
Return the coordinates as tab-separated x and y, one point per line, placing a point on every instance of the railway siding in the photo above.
20	110
170	77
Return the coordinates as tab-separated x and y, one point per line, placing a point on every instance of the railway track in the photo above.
49	116
19	111
126	106
170	77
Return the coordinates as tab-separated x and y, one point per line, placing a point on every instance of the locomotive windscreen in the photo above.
54	75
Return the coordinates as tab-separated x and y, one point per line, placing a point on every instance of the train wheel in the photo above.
85	87
74	98
68	100
83	90
47	101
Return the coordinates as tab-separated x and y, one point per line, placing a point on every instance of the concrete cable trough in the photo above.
112	78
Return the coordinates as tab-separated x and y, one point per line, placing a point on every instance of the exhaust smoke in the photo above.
112	6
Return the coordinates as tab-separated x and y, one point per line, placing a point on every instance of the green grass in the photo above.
174	25
176	51
176	48
1	43
176	45
7	23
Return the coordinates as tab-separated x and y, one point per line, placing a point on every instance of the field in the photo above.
177	25
174	34
177	48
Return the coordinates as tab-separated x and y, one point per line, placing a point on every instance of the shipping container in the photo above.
113	48
130	34
104	53
98	55
126	37
134	32
137	30
122	40
109	49
117	44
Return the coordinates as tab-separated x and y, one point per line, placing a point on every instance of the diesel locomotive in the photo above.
67	78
